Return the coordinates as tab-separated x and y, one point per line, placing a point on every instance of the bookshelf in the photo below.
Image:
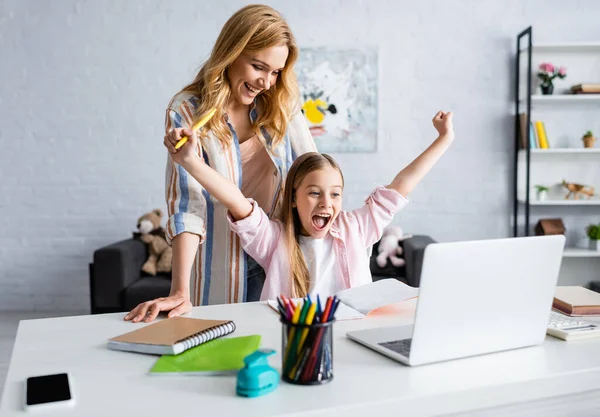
574	99
557	202
565	116
562	151
565	47
580	253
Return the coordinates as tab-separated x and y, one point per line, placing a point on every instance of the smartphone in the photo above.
49	391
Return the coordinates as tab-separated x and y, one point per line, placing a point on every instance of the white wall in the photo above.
84	86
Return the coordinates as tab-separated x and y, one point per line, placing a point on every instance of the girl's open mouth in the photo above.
320	221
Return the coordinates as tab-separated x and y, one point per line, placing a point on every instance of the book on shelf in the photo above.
546	227
523	133
533	137
171	336
541	134
576	301
586	89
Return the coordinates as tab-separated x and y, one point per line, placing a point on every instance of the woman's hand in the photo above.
443	123
189	150
148	311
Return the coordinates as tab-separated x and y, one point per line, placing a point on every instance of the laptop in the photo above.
475	297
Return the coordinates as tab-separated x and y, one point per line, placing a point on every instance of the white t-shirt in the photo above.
319	254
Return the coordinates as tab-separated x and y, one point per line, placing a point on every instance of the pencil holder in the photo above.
307	353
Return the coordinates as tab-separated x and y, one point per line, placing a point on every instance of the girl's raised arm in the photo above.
413	173
217	185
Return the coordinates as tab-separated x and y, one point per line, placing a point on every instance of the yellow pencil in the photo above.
197	126
309	319
295	318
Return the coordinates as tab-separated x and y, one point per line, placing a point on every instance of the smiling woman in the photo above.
255	135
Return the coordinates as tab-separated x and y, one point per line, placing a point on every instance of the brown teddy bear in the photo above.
160	253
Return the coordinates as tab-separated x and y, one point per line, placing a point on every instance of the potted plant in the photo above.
588	139
593	233
547	72
541	192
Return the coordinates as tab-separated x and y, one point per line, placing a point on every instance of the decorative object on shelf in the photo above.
586	89
550	227
593	233
576	189
541	192
547	72
588	139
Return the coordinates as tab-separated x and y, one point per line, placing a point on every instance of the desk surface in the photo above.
112	383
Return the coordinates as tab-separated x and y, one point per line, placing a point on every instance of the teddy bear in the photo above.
151	233
389	247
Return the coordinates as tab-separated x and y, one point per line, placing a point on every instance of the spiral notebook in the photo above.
171	336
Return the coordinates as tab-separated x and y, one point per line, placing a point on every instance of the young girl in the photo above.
314	247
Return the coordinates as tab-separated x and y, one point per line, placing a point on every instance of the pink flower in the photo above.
548	72
547	67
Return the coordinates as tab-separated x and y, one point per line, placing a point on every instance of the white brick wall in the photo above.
84	85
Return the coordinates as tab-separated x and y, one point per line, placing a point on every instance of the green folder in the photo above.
224	355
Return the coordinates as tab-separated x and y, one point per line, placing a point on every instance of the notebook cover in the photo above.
223	355
576	300
168	331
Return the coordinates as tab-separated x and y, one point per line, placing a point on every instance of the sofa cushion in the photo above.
145	289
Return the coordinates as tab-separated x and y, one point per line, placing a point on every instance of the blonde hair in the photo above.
252	28
304	165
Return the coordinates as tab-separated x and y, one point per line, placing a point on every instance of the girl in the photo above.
252	140
314	246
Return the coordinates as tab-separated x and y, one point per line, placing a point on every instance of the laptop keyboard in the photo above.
399	346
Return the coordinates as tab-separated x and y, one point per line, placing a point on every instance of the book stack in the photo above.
586	89
538	138
576	301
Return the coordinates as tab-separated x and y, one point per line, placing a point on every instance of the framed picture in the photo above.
338	88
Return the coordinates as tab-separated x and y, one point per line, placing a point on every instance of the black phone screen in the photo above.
48	389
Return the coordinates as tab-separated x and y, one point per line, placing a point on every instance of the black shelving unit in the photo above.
525	37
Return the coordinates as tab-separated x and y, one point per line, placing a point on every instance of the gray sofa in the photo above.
118	284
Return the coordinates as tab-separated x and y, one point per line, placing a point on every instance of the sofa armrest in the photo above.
114	268
414	249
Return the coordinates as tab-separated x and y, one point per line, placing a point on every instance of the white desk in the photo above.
111	383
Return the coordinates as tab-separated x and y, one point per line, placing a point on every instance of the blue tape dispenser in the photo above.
257	377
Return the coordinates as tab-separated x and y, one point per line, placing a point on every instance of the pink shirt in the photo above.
354	232
259	175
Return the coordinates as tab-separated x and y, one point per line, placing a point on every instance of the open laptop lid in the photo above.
484	296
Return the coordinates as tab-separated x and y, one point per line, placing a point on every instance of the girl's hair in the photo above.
304	165
251	29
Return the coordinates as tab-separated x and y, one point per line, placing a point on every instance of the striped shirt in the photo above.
219	271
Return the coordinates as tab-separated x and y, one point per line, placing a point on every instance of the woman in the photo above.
253	138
